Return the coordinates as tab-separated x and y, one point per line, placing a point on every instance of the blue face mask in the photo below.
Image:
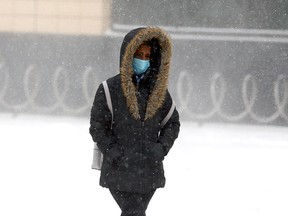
140	66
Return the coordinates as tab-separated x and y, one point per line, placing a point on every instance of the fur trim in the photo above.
157	97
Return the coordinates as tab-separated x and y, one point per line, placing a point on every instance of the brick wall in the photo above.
90	17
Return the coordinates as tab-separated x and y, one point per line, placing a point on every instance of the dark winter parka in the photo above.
136	145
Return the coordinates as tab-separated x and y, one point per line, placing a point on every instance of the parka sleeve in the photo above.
100	121
169	133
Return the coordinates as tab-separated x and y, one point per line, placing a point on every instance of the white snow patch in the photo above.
213	169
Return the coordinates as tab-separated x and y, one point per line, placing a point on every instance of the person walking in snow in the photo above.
135	146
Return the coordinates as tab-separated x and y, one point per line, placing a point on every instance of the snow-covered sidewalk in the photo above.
213	169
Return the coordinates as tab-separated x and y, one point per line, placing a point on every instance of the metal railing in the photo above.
248	94
217	92
31	91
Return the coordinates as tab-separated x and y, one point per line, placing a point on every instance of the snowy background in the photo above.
229	64
213	169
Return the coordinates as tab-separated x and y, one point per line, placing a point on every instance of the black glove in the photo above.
114	155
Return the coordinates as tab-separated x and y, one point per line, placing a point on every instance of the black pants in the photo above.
132	204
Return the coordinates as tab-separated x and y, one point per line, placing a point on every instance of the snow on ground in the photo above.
213	169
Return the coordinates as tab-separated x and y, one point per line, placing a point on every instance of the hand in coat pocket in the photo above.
155	154
114	155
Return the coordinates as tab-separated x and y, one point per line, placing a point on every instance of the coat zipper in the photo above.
141	183
142	187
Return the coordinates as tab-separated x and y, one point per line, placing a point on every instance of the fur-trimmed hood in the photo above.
130	44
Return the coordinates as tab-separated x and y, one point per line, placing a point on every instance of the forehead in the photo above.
143	47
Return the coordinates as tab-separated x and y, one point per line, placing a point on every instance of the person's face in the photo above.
143	52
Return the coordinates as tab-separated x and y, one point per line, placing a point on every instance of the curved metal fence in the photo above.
249	93
60	89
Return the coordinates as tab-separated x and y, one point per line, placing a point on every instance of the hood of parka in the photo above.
130	44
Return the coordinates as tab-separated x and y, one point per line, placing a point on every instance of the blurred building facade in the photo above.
90	17
97	16
240	14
